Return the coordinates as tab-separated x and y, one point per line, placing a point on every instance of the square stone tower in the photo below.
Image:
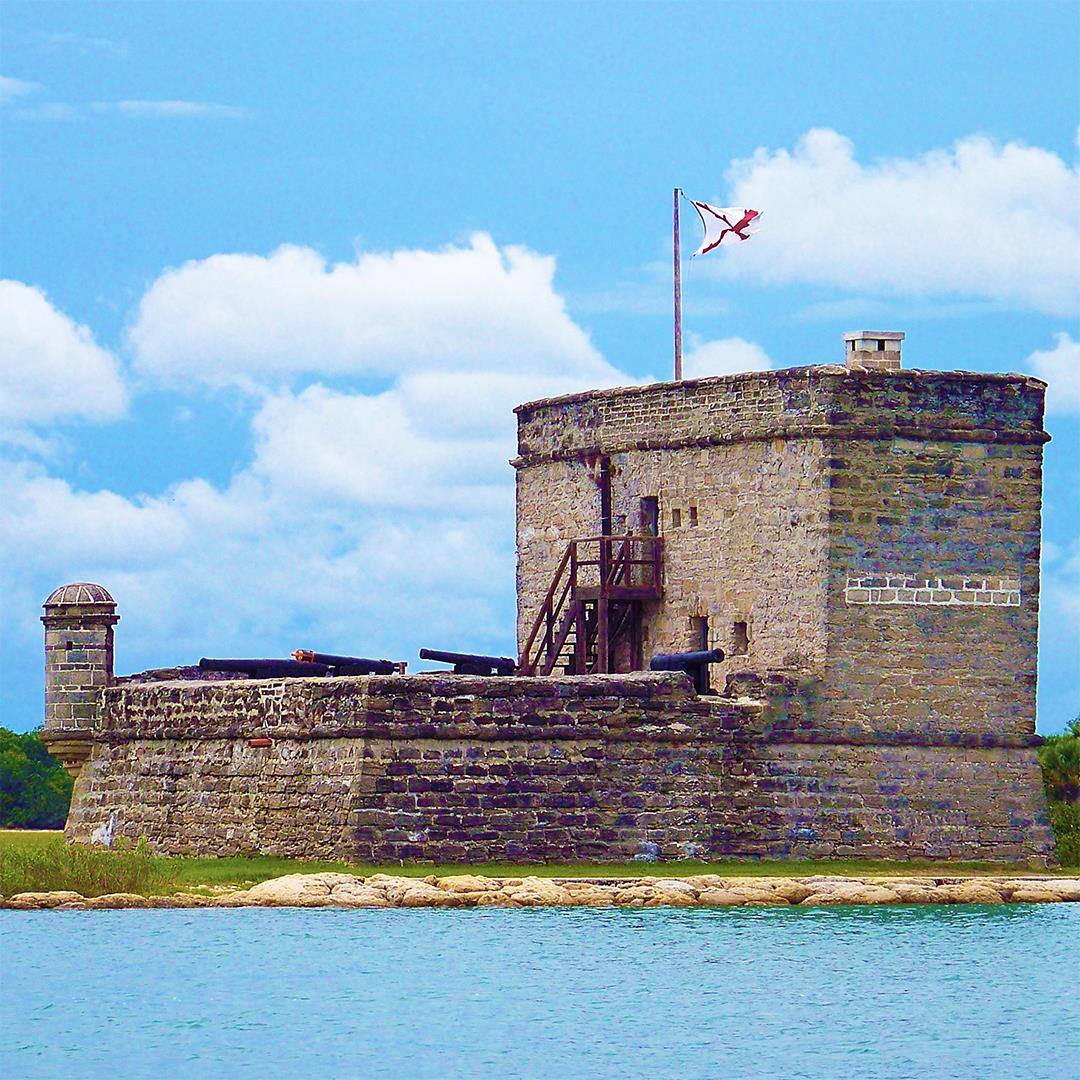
872	530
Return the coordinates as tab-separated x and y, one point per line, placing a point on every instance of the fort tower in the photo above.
871	530
79	621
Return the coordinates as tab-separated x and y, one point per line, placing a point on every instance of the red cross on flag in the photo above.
724	224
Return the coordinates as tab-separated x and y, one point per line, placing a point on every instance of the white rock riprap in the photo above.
470	890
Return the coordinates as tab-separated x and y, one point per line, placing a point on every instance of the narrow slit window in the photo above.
740	640
649	512
693	515
676	519
699	633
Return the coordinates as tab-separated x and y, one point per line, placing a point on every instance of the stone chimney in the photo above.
79	621
873	350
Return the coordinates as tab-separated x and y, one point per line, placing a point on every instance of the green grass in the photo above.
38	862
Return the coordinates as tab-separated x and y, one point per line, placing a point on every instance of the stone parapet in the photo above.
601	768
805	402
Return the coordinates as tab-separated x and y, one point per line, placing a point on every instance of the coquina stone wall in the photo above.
445	768
877	531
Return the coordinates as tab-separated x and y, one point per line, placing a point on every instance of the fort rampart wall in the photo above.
599	768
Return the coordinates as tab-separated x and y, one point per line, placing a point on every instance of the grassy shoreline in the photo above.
39	861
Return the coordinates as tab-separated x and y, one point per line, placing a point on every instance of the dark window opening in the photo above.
693	515
699	633
676	518
69	644
880	345
740	640
649	512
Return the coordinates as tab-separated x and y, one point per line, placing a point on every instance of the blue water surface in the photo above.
951	992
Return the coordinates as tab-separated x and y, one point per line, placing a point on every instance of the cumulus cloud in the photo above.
246	319
50	367
1060	368
725	356
977	220
376	510
10	88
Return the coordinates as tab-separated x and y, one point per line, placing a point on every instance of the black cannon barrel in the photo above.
680	660
695	664
472	663
348	665
266	668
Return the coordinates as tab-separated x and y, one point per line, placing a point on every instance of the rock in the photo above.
30	901
720	898
756	894
292	890
708	881
1067	888
851	893
594	897
794	892
116	901
647	852
186	900
357	893
424	895
970	892
635	892
496	899
466	883
918	893
539	892
394	888
1033	895
670	892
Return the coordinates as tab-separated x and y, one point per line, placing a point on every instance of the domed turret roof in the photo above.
79	592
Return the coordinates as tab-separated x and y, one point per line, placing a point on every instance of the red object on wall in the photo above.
260	742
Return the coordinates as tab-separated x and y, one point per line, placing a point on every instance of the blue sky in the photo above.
283	269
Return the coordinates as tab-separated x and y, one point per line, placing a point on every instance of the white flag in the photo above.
724	224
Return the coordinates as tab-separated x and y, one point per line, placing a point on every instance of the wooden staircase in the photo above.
594	604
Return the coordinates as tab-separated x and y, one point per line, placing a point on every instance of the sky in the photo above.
275	275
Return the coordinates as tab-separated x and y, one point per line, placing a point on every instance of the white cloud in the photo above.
167	108
977	220
1060	368
369	521
15	88
248	319
50	368
726	356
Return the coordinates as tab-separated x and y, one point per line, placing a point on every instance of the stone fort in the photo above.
862	541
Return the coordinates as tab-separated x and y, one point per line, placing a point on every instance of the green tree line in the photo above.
35	789
1059	757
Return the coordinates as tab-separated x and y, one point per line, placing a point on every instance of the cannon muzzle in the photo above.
695	664
472	663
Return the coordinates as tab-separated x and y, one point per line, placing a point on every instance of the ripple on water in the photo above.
956	991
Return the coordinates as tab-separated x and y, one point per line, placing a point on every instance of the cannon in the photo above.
695	664
348	665
471	663
267	669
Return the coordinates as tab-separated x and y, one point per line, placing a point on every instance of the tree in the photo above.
35	789
1059	757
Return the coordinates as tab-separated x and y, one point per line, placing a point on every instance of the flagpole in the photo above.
678	292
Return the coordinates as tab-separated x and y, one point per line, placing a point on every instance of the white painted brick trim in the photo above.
945	591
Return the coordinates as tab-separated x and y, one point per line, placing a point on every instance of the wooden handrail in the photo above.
615	560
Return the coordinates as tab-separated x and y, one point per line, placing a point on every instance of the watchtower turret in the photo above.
79	621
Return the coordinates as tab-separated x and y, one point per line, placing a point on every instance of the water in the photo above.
950	992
